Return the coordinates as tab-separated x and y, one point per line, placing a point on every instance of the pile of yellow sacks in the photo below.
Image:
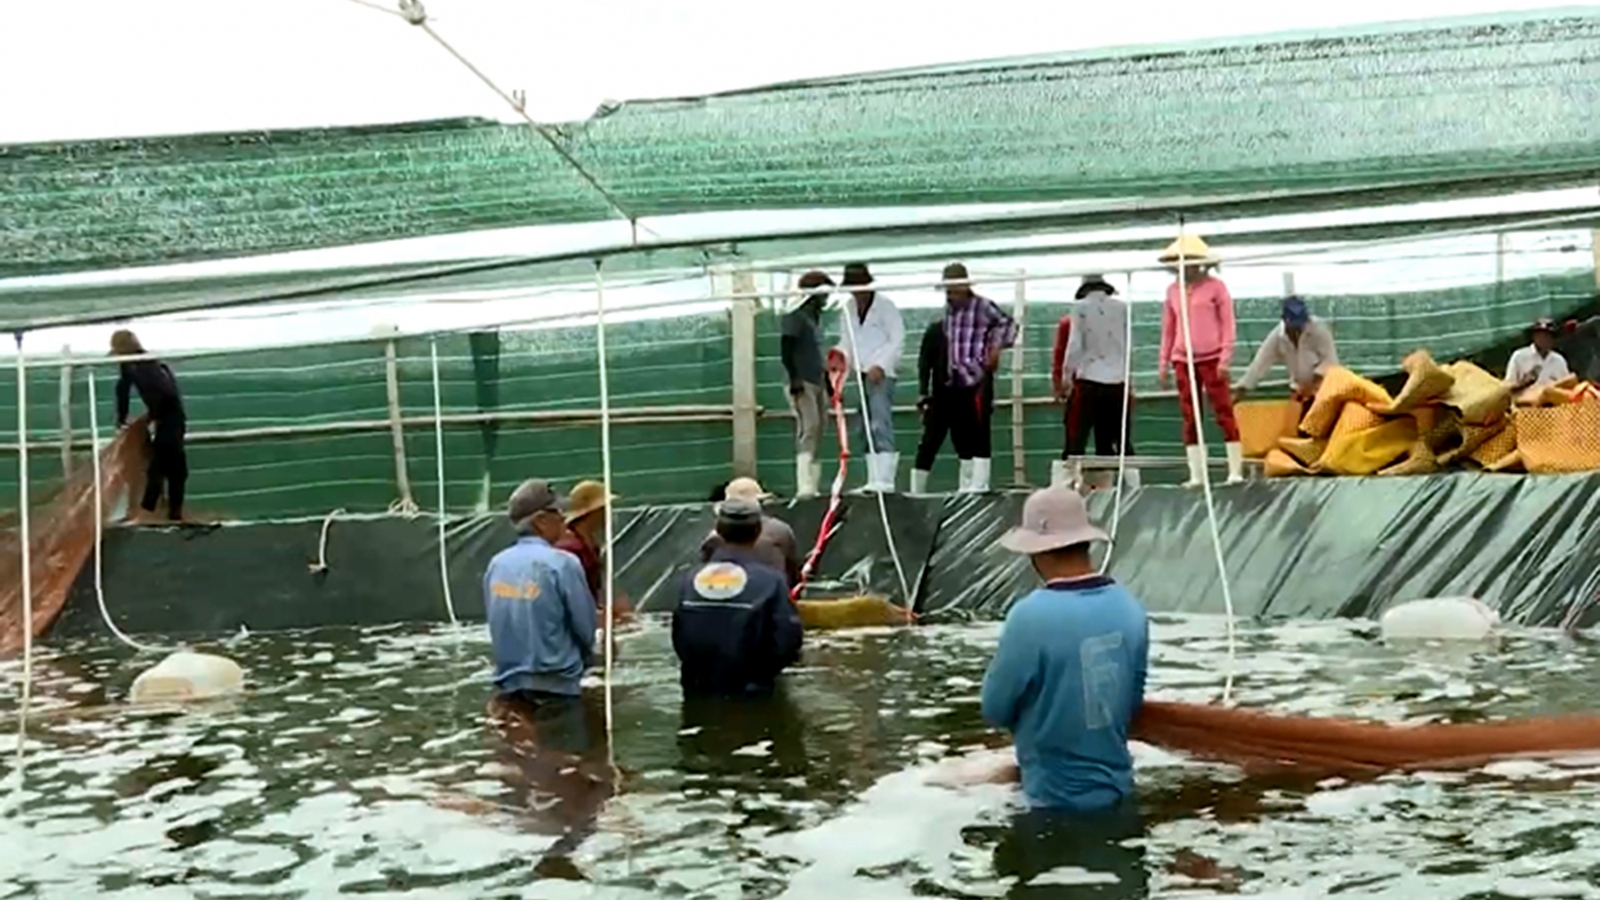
1444	416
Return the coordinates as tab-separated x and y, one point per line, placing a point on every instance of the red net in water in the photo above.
61	532
1256	740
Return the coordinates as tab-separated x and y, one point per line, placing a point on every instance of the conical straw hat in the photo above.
1191	249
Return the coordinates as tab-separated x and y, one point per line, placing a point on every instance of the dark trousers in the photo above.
169	464
1097	407
970	412
935	428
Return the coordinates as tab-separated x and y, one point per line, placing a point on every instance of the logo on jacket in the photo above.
721	581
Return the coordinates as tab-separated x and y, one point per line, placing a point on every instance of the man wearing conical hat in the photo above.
585	538
1197	326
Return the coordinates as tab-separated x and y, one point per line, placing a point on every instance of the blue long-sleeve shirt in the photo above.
1067	680
541	618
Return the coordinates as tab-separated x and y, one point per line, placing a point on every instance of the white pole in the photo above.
605	478
27	558
99	521
438	458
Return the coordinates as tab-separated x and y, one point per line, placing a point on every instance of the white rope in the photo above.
605	478
1205	467
849	311
1122	440
27	564
438	459
99	522
321	565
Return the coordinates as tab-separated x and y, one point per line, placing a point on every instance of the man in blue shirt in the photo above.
735	627
1068	677
541	616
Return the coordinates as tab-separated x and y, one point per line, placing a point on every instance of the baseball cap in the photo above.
1295	314
534	496
738	511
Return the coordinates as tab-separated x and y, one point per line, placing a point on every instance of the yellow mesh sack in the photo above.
1560	438
1366	452
849	612
1304	450
1279	464
1499	445
1472	437
1419	460
1479	397
1425	383
1339	386
1437	426
1511	462
1353	418
1263	422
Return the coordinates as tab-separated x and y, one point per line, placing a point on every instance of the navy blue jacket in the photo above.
735	628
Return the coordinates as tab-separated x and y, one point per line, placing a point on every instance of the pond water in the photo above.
361	765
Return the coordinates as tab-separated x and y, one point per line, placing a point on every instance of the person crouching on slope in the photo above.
541	616
158	388
1068	677
735	629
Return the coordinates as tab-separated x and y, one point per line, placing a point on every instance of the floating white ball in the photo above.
1440	619
186	676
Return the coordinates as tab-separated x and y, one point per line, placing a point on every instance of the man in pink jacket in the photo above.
1211	328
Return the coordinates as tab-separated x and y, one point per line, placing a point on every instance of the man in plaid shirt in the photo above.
976	330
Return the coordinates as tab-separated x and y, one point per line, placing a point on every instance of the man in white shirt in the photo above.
871	339
1537	363
1302	344
1095	363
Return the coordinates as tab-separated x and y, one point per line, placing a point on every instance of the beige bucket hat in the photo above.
1052	519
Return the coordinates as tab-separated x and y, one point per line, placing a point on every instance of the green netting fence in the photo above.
671	392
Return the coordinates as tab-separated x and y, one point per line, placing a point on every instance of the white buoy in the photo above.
186	676
1440	619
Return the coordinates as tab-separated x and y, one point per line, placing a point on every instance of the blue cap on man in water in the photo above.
1295	314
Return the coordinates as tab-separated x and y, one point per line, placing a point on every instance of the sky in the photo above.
109	68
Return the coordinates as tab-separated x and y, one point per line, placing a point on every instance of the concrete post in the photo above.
1019	311
744	374
66	413
397	435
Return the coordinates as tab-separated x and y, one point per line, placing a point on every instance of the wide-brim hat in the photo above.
1192	250
587	497
744	488
812	282
1052	519
1092	283
1546	325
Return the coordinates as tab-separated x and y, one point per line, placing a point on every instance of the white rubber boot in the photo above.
964	479
816	476
1197	465
805	483
1058	474
1235	463
1131	478
889	474
980	476
919	482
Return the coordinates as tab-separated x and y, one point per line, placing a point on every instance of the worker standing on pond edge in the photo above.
1303	344
976	331
1213	331
1088	373
585	538
809	389
1068	677
776	545
735	628
541	615
158	388
871	340
933	402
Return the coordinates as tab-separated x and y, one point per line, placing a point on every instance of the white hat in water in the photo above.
1052	519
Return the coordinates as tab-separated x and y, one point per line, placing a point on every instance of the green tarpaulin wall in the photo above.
1416	112
685	361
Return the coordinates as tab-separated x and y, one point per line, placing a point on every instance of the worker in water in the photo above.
541	615
1205	317
1089	374
1068	676
1539	362
976	330
735	628
585	538
158	388
1303	344
933	402
776	544
809	393
871	340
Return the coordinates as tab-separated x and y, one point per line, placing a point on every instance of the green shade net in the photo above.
486	383
1415	112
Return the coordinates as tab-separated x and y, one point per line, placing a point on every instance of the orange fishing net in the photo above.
1256	740
61	532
